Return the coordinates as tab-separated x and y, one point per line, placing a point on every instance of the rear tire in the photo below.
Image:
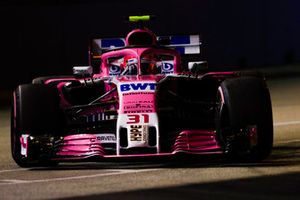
245	102
36	112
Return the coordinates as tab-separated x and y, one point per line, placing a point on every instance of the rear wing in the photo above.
187	45
184	44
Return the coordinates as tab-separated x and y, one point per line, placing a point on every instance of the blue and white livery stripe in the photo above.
184	44
110	43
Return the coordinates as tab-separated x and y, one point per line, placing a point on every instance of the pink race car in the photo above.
139	97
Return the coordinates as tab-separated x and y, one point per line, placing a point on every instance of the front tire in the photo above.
244	118
35	112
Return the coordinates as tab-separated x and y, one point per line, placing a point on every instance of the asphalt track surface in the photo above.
278	177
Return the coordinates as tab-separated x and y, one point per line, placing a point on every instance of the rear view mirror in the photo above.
83	71
198	66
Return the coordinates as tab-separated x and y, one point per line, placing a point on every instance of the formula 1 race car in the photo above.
138	98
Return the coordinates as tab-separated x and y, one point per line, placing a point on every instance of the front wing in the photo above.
81	147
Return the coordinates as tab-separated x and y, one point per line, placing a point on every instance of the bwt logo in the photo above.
137	86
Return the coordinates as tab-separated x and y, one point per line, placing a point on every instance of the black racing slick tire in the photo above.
36	112
244	104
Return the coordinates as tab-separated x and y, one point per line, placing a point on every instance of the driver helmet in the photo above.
149	65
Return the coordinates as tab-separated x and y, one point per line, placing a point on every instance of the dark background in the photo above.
46	37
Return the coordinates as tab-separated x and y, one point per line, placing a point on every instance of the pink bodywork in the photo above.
196	141
80	146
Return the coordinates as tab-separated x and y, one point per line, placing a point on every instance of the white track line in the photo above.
287	142
113	173
286	123
13	170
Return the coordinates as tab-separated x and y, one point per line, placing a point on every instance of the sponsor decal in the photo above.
138	111
106	138
138	106
138	133
137	87
114	70
138	101
167	67
137	93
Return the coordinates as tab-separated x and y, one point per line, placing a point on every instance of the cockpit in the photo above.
146	64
